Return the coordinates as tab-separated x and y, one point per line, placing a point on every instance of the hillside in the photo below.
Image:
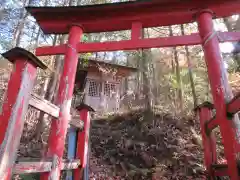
127	147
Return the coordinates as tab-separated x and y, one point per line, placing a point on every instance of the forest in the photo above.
156	127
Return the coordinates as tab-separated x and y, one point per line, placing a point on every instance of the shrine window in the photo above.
94	88
109	89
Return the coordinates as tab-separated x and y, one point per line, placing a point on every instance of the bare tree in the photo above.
20	25
190	71
177	69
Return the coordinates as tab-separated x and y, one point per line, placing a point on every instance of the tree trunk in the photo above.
42	116
39	30
178	75
19	28
146	77
190	72
52	87
138	77
175	92
145	61
148	115
126	88
146	83
230	28
56	75
228	24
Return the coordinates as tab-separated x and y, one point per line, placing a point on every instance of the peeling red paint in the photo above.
234	105
215	73
28	167
43	166
14	108
59	128
82	143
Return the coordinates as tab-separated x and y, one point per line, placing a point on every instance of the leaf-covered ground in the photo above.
133	147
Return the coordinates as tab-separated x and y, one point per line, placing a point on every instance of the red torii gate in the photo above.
136	16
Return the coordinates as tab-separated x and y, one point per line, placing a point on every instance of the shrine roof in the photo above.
119	16
97	63
97	66
93	62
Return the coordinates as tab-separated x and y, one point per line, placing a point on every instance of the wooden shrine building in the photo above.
99	84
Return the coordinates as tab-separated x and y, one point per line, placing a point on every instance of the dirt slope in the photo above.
129	147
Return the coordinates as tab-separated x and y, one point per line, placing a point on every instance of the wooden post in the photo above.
58	129
215	73
208	138
83	142
72	142
15	106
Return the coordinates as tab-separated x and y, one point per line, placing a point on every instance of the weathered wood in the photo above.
76	122
25	167
83	142
44	105
58	131
15	106
51	109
